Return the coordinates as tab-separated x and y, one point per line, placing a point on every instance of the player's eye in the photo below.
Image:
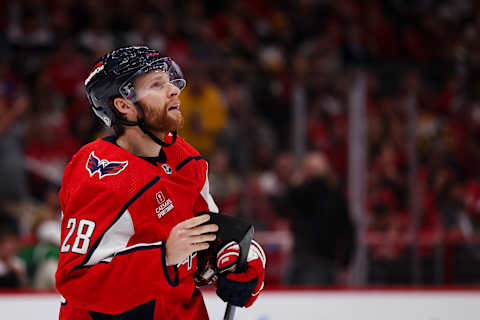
158	84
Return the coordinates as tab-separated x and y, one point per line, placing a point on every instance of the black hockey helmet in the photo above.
115	73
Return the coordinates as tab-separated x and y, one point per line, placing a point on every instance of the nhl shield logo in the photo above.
167	168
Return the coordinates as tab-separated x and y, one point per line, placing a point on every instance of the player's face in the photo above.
160	101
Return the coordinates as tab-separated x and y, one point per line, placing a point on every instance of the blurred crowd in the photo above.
242	61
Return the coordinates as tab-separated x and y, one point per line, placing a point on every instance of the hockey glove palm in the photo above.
240	288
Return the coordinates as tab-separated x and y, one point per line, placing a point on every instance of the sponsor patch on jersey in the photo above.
167	168
104	167
164	205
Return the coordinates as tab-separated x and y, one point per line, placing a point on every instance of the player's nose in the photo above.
173	90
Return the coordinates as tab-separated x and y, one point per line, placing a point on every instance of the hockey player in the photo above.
130	230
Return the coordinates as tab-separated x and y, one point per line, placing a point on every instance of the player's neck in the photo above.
137	142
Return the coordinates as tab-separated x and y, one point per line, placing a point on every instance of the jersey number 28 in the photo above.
82	240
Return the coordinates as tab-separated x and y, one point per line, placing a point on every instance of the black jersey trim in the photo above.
122	211
173	283
146	247
161	158
187	160
124	252
143	311
111	139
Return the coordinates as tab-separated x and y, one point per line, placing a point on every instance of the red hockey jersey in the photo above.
118	210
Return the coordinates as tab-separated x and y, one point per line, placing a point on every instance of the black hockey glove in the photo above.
241	287
234	292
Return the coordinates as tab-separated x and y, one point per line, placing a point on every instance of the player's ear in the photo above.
126	108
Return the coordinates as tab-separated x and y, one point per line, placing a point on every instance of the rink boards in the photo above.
395	304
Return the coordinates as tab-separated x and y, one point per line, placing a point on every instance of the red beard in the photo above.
162	121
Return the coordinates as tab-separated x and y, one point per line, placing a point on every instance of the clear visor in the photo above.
166	65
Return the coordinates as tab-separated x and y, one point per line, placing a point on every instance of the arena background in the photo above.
347	131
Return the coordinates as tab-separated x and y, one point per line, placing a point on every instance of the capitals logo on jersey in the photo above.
104	167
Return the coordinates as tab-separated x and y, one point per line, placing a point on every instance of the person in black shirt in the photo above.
12	269
324	234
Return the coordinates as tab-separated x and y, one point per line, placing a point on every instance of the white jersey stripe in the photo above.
114	240
140	246
212	206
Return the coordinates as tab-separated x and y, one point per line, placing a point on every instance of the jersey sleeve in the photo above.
127	281
205	201
100	268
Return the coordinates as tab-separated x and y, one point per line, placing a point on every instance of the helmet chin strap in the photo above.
143	127
141	124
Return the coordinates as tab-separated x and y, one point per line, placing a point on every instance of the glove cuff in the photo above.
235	293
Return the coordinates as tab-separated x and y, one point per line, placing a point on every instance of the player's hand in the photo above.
240	288
188	237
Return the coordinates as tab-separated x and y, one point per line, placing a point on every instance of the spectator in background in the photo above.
66	70
323	231
250	49
42	252
145	32
239	124
49	145
225	184
13	182
256	206
98	38
203	109
47	253
276	181
12	269
28	25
